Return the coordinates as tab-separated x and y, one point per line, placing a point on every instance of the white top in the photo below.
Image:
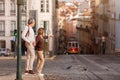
29	38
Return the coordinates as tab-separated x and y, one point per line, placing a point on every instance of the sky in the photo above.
72	0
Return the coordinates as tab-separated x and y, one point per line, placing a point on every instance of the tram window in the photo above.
76	45
73	45
69	44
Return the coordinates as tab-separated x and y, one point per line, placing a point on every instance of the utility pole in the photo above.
20	3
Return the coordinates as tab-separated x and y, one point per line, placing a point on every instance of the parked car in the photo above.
4	52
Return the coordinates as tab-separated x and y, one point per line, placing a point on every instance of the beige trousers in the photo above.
40	61
30	56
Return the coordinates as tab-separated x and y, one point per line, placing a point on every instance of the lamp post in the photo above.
20	3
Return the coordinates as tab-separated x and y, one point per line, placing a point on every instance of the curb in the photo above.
23	57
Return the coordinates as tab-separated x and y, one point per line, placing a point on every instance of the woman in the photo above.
39	49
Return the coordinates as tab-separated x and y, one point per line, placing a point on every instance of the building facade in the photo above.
8	18
117	28
43	11
108	20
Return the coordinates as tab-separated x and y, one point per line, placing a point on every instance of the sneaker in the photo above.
31	72
40	74
26	71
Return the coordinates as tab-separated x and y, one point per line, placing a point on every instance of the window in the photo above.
2	28
45	24
13	7
69	44
47	5
13	27
76	44
2	7
2	44
73	44
42	6
56	4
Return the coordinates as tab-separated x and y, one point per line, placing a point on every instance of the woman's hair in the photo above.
40	31
30	21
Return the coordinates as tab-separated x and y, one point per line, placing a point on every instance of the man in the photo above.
103	40
29	37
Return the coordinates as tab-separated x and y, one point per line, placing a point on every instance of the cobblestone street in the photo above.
68	67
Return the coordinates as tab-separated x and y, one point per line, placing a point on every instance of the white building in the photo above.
111	10
42	10
8	18
117	30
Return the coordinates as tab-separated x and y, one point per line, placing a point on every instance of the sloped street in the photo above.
68	67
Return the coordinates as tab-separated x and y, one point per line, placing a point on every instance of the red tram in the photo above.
73	47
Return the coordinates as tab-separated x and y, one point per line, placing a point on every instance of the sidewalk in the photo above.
24	76
52	67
